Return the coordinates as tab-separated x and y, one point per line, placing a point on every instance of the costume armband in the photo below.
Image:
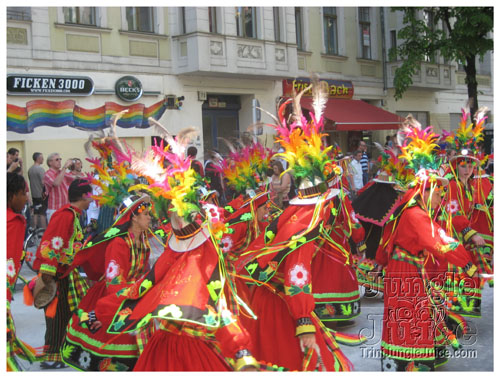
467	233
304	325
244	359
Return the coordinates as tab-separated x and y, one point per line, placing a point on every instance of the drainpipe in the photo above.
384	60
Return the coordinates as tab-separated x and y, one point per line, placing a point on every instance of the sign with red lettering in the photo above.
336	88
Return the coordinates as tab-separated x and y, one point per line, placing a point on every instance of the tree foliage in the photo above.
457	33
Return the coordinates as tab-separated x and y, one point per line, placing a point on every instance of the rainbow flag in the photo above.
67	113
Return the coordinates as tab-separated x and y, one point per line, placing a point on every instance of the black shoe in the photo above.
52	365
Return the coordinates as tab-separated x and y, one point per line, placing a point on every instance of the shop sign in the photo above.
336	88
128	88
48	85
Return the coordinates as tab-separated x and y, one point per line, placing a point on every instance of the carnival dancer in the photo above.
118	258
456	217
482	218
59	286
16	224
187	292
414	302
374	207
287	330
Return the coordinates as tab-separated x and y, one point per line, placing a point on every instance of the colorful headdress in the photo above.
305	152
466	138
393	170
171	180
246	169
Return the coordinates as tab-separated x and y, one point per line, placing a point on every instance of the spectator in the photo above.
14	162
195	164
388	142
281	185
57	182
365	160
357	171
76	168
212	172
36	174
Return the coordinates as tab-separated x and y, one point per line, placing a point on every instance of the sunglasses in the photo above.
58	159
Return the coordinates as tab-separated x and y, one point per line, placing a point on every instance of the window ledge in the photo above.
340	58
142	34
83	27
303	52
29	22
370	61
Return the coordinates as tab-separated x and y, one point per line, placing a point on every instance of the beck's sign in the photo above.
336	88
47	85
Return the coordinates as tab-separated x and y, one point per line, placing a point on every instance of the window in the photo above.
298	29
183	20
80	15
212	19
246	22
19	13
140	19
330	28
429	20
394	41
364	32
277	24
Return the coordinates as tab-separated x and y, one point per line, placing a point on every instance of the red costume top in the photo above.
16	226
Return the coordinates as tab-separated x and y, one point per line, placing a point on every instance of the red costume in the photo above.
414	323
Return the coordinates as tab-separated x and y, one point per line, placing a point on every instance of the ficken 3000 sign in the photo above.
45	85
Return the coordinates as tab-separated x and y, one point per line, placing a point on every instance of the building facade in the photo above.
219	62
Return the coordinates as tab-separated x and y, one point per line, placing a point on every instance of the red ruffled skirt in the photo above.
166	351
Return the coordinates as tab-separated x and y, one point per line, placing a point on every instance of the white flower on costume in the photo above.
388	364
57	242
353	217
227	244
113	270
452	207
11	268
447	239
298	275
84	360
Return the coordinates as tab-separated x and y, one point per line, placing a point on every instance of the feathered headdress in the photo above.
466	138
246	169
169	174
305	152
394	170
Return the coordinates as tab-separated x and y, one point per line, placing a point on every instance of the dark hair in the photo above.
12	151
15	183
277	163
36	155
357	152
192	151
388	138
77	189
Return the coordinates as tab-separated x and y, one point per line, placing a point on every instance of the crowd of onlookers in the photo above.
48	188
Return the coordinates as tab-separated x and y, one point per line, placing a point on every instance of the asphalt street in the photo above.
476	354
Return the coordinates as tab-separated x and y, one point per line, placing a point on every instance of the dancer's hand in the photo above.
96	325
307	340
478	240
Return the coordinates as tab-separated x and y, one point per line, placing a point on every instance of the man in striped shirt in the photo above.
365	161
57	182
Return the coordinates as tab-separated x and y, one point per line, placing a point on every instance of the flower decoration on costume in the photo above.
11	268
299	276
226	244
57	242
84	360
452	207
113	270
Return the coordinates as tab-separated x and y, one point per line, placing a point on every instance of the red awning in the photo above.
356	115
